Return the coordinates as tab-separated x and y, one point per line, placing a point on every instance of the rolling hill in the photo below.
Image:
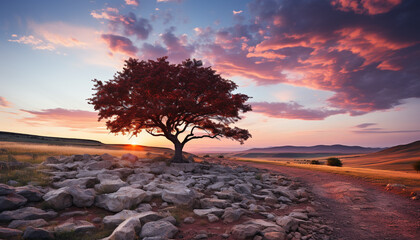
398	158
304	151
20	137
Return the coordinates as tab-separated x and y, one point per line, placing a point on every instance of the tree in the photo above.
416	166
333	161
181	102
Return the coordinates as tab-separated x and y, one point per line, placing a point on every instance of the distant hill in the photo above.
342	149
399	158
20	137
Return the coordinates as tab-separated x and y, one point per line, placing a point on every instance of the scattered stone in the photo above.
83	182
77	226
11	201
115	220
110	185
205	212
26	223
212	218
5	189
124	198
97	220
32	233
127	230
288	223
59	199
12	183
31	193
73	213
232	214
243	231
162	229
299	215
213	202
27	213
82	197
179	195
129	157
7	233
189	220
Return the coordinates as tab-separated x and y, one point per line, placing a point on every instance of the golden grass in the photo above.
37	153
377	176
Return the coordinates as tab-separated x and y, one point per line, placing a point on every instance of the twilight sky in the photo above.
318	71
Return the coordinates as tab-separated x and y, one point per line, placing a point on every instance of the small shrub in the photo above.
258	176
416	166
206	156
221	156
333	161
315	162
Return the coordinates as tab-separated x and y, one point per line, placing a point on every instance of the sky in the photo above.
318	71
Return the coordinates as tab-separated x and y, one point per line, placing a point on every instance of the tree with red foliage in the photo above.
181	102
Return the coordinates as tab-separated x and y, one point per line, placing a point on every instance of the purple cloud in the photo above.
365	125
4	103
292	110
364	55
120	44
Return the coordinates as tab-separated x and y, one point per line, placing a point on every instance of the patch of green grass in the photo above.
24	176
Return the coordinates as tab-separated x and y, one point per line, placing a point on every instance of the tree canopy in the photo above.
181	102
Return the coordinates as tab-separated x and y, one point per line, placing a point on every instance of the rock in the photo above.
116	219
13	183
170	219
6	189
129	157
84	182
8	233
205	212
97	220
189	220
144	207
232	214
81	197
162	229
242	188
283	191
51	160
26	223
225	235
179	196
31	193
59	199
288	223
212	218
126	230
94	165
244	231
141	178
11	201
74	213
27	213
214	202
124	198
110	185
284	199
76	226
262	223
144	217
275	236
201	236
216	186
32	233
299	215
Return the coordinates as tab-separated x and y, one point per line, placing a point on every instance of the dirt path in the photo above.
356	209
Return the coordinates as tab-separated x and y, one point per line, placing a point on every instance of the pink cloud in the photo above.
132	2
120	44
292	110
370	7
369	62
4	103
73	119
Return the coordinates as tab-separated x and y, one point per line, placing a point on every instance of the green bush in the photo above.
221	156
416	166
333	161
315	162
206	156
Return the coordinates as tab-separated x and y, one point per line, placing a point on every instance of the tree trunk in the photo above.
178	158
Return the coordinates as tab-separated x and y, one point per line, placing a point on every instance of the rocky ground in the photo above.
93	197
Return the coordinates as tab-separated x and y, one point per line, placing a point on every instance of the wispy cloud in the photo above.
237	12
365	125
77	120
292	110
132	2
4	103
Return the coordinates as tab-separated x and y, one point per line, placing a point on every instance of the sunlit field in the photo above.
37	153
383	177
